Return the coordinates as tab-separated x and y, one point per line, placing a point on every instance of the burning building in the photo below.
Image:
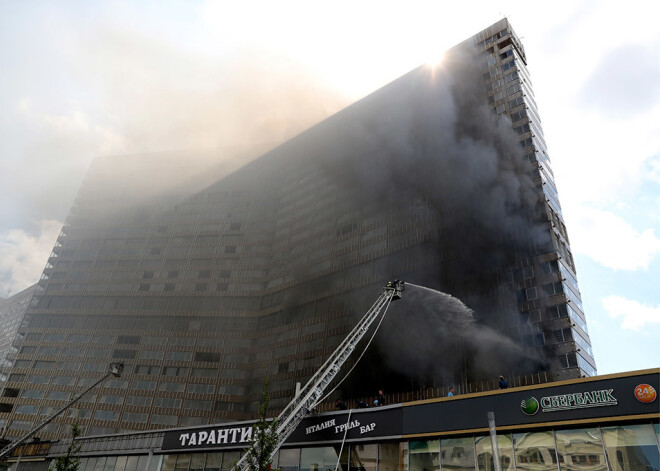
205	288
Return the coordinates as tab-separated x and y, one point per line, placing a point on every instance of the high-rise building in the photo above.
12	311
441	179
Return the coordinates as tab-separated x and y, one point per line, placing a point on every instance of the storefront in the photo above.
601	423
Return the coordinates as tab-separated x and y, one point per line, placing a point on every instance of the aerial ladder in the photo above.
115	369
310	395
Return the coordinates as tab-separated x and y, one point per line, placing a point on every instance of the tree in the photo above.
70	460
264	436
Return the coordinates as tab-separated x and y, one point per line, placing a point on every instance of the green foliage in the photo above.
264	436
70	460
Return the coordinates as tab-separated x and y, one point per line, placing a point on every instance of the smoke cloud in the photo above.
438	337
429	150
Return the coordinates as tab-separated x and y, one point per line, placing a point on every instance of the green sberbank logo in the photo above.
571	401
530	406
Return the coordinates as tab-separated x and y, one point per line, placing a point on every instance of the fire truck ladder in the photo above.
115	370
312	392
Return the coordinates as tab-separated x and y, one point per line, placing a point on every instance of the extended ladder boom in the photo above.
312	392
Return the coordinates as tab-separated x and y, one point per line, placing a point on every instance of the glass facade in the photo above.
510	94
619	448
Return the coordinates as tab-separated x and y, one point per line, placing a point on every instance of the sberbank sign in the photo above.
580	400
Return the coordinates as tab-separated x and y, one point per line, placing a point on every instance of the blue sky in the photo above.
83	79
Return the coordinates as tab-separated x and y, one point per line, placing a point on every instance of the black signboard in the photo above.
575	401
626	396
360	424
237	435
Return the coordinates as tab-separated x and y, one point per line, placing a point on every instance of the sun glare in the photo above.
435	60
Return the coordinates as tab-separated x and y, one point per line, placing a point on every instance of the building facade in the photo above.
440	178
12	311
608	423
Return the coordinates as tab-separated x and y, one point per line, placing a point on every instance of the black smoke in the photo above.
429	148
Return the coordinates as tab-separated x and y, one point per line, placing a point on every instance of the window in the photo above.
168	287
143	385
558	311
59	396
568	360
230	249
98	353
204	372
37	379
138	401
73	352
49	351
26	409
552	289
535	315
536	449
168	403
530	294
205	274
147	275
549	267
196	388
144	287
54	337
179	356
147	370
130	354
175	371
115	383
69	365
563	335
591	448
79	413
64	381
173	274
191	421
110	399
105	415
171	387
135	417
149	355
163	419
207	356
128	339
33	394
197	404
155	340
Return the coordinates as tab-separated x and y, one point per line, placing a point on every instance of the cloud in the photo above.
635	315
625	82
609	240
23	255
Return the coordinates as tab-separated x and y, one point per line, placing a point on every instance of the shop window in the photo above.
535	450
631	447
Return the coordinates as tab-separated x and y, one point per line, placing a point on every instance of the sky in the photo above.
82	79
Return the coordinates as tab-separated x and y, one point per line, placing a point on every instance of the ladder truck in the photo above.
307	398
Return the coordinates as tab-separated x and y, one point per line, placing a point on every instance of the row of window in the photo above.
59	337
